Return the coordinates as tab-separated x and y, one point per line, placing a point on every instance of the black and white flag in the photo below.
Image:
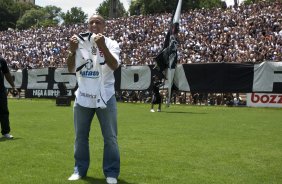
166	60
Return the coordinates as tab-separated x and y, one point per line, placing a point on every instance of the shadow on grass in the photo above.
178	112
91	180
2	139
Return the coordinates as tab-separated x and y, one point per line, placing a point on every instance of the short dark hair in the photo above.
98	15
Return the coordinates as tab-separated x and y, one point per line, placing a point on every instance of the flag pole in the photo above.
173	55
166	60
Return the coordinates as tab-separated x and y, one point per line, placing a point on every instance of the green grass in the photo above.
182	144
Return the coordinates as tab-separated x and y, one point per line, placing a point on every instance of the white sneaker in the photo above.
111	180
152	110
159	110
74	176
8	136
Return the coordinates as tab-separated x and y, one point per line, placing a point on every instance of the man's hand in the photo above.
109	58
73	44
71	57
100	41
14	91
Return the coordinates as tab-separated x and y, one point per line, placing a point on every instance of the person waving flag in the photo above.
166	60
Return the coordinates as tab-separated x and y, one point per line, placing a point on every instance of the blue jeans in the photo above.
108	123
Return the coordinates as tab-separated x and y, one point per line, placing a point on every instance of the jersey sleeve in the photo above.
114	49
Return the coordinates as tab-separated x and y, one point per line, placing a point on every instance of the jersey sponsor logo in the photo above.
90	74
87	95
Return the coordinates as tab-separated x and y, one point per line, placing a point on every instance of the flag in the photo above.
166	60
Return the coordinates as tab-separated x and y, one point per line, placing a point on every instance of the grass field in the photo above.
182	144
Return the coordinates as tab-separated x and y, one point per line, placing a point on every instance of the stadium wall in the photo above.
265	77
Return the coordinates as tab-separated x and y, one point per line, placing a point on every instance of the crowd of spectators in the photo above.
181	97
247	33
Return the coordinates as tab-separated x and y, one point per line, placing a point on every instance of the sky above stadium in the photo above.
88	6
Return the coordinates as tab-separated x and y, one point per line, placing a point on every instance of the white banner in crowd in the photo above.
264	100
180	79
265	75
135	77
204	78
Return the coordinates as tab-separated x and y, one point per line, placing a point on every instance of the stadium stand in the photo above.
247	33
250	33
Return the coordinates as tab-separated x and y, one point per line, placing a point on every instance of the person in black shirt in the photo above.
4	112
156	98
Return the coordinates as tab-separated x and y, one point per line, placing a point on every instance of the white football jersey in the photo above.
95	79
